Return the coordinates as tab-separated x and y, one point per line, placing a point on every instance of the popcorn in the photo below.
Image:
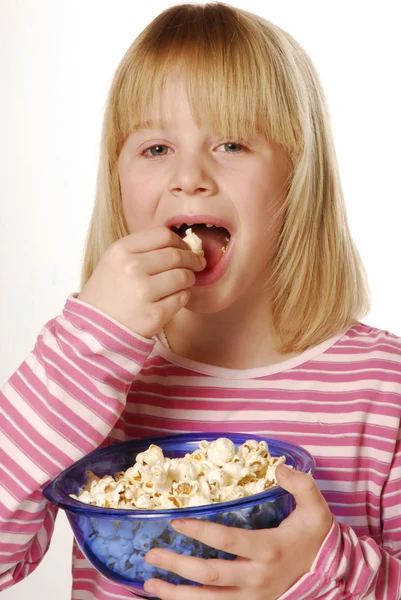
216	472
232	492
106	529
120	548
144	502
271	469
193	242
186	471
218	477
235	470
153	455
198	499
221	451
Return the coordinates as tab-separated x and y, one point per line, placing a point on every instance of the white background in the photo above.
57	58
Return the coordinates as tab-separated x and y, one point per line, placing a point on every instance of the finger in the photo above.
152	239
212	571
165	284
302	486
169	306
242	542
168	591
169	258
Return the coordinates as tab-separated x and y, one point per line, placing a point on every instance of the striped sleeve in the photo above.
352	568
59	405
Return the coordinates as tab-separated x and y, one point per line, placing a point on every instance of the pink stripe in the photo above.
24	442
350	476
23	528
355	463
280	431
91	314
363	367
392	488
12	483
108	344
355	348
111	372
308	396
60	421
57	374
357	497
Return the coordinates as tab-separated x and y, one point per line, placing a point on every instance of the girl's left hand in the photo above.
269	562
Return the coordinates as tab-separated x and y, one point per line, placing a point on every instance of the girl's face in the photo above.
176	173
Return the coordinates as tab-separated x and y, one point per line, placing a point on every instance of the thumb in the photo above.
301	485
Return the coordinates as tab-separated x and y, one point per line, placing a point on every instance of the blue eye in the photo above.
242	148
157	147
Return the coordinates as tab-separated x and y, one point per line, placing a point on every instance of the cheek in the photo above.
137	203
262	200
269	187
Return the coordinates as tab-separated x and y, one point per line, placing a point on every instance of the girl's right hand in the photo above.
143	280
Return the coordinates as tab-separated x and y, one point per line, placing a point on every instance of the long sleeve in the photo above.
59	405
352	568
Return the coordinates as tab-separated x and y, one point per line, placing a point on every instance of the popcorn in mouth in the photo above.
193	242
210	239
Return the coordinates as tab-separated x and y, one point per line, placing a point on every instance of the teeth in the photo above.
178	225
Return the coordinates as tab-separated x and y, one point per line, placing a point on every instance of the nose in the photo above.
192	176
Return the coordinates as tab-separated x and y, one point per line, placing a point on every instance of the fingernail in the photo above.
150	587
153	557
178	524
284	470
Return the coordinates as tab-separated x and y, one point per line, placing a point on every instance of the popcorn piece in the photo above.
91	478
235	471
198	499
106	529
125	531
186	471
271	469
205	488
100	547
144	502
153	455
193	242
221	451
85	497
217	476
232	492
254	487
118	548
184	489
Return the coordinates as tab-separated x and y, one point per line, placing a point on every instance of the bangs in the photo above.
230	68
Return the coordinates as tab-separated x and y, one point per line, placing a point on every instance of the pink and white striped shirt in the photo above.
89	381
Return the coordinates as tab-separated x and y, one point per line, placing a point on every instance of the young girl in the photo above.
216	120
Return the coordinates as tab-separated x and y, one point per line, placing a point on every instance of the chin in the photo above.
209	301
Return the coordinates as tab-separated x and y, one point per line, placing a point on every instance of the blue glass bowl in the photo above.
115	541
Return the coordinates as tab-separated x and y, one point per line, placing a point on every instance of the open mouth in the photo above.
215	240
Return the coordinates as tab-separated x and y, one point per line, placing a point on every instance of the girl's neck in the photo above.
230	339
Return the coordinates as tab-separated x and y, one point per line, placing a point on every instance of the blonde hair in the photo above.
246	75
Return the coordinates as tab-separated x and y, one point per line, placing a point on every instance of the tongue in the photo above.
213	240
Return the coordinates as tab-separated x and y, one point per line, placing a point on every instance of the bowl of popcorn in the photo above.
120	500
